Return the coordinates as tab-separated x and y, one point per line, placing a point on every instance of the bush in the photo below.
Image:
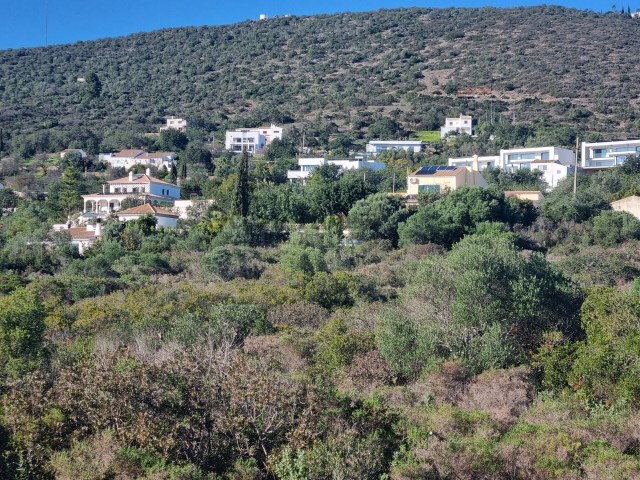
610	228
229	262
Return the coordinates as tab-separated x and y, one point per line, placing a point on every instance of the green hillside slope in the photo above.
542	65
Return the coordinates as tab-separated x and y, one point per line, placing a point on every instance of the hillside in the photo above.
541	65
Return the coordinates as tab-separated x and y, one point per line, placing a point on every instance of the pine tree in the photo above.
93	86
241	205
69	197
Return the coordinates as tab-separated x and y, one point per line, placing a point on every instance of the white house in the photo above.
129	158
175	123
164	218
142	186
599	155
378	146
251	140
552	171
308	165
483	161
187	208
516	158
83	236
461	124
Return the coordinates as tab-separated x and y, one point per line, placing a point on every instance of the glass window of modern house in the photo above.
544	156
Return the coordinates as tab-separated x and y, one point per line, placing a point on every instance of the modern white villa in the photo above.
142	186
486	161
129	158
555	163
308	165
461	124
251	140
175	123
515	158
599	155
378	146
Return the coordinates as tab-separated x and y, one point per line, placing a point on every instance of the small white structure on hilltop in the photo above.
308	165
461	124
129	158
378	146
263	16
142	186
251	140
175	123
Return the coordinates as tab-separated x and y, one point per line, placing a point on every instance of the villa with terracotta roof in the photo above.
129	158
164	218
142	186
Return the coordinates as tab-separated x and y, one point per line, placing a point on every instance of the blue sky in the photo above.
22	22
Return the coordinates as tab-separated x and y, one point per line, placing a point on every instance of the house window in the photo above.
544	156
116	190
134	190
428	188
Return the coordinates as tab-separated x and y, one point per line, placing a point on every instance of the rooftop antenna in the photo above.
46	23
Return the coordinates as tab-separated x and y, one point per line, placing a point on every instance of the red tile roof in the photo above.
147	209
81	233
141	178
129	153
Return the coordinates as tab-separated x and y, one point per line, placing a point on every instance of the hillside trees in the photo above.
484	303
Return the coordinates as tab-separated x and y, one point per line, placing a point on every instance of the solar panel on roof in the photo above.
431	169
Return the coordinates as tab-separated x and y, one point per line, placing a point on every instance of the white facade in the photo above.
175	123
134	185
251	140
598	155
308	165
483	162
378	146
516	158
553	172
187	208
129	158
461	124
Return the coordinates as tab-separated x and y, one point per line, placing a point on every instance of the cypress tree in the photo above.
242	188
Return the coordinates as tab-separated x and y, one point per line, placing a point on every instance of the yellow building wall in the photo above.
445	183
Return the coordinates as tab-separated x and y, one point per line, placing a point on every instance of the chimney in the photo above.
131	176
148	172
474	164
